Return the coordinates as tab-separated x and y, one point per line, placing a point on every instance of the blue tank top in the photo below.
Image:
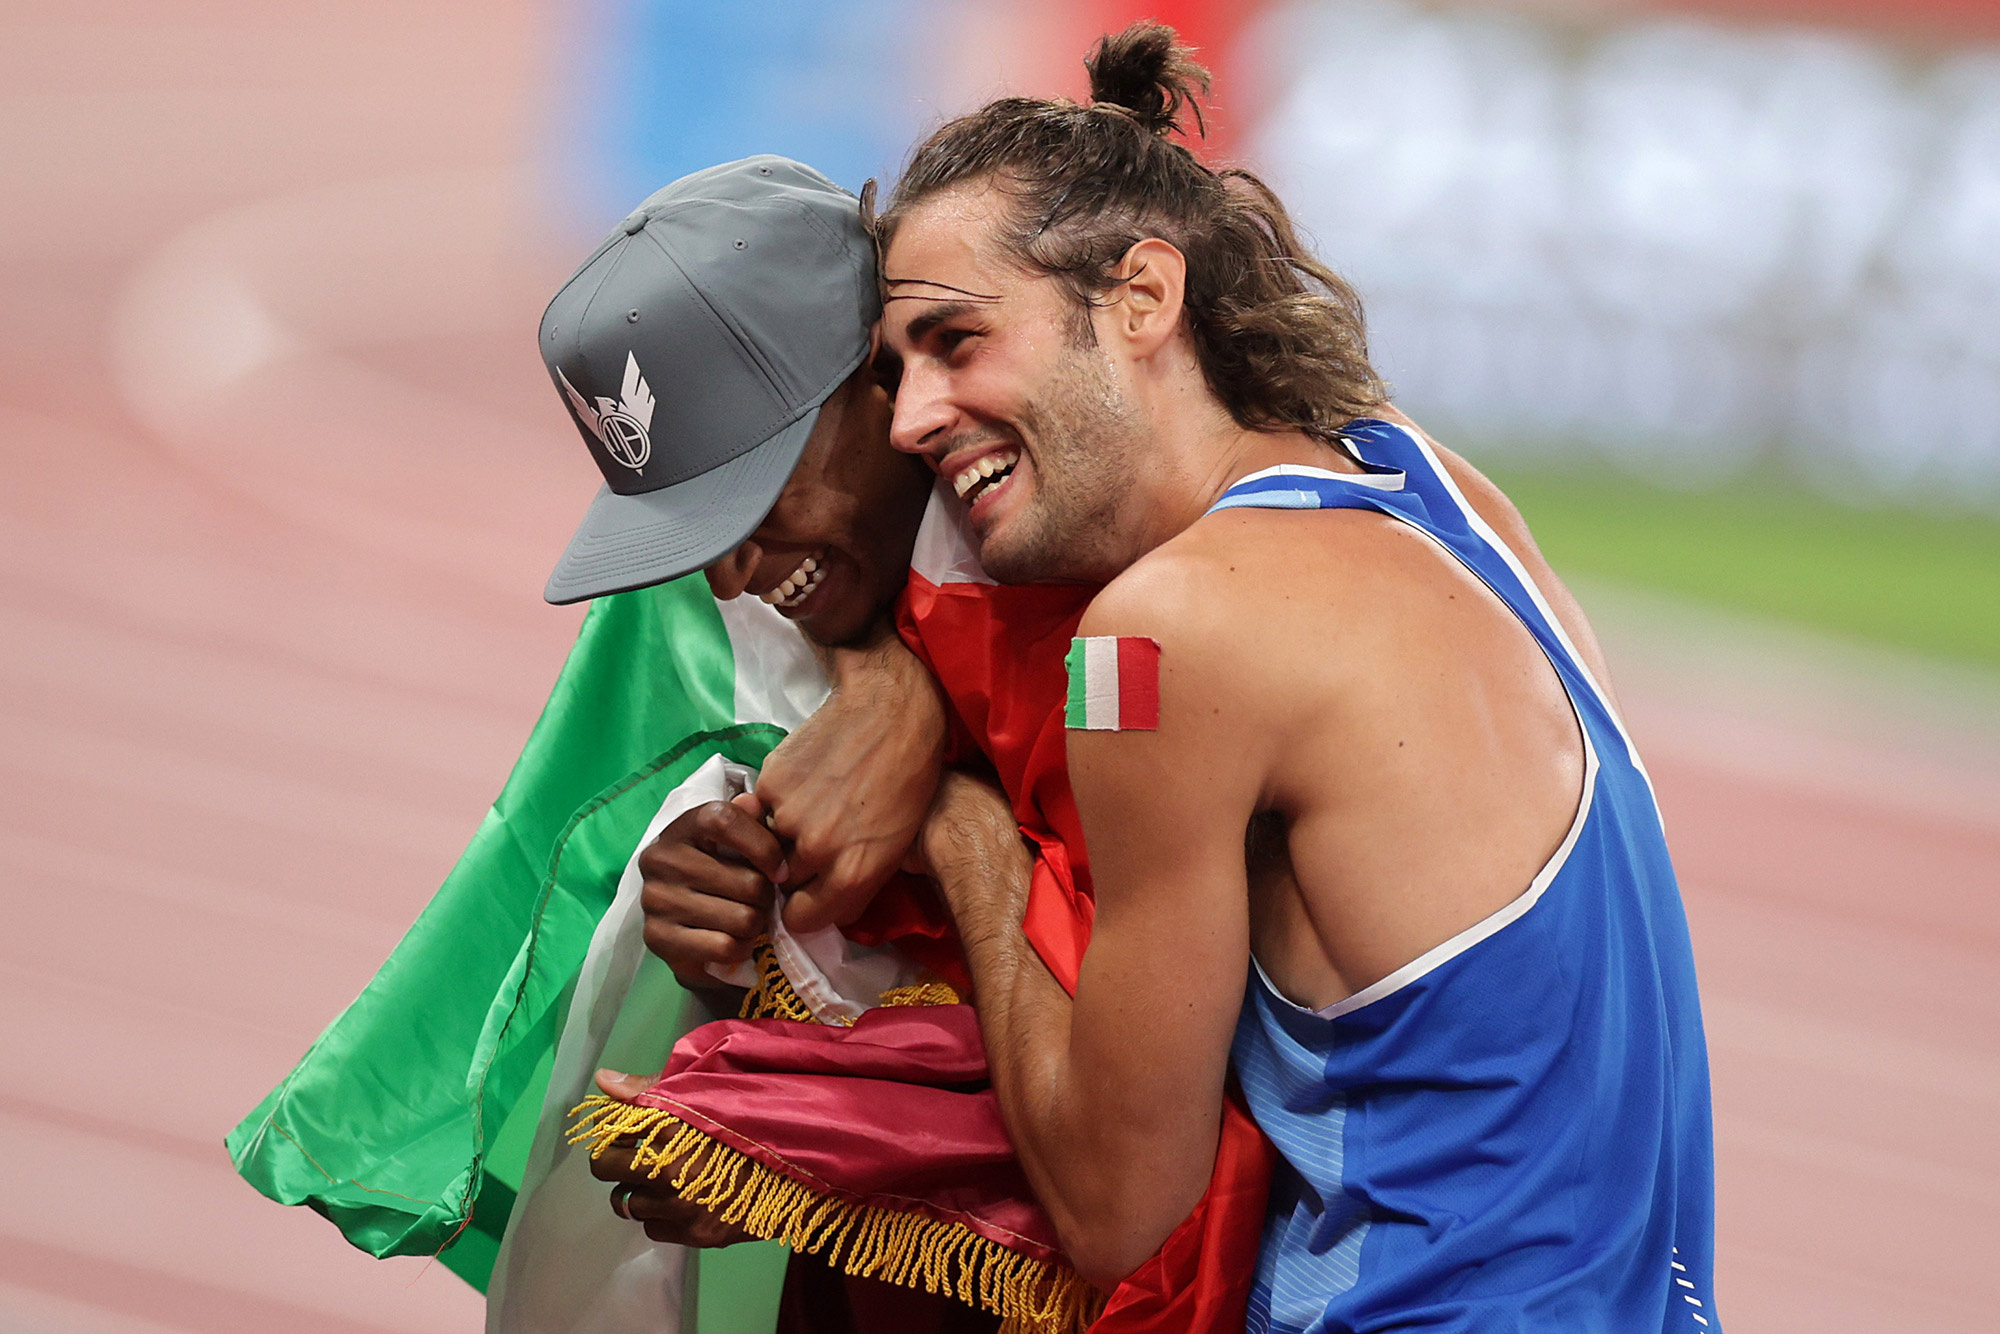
1511	1132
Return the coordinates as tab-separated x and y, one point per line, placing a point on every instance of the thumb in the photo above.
808	910
749	803
623	1087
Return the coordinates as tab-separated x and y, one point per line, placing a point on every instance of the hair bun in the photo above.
1146	72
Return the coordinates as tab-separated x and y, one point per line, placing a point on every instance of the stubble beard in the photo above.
1086	446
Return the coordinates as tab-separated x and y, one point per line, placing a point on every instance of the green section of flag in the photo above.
408	1122
1075	712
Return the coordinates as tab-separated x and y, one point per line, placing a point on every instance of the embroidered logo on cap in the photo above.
624	427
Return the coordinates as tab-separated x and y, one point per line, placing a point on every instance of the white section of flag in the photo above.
1100	683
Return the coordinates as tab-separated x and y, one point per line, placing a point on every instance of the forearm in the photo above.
1093	1159
848	789
881	665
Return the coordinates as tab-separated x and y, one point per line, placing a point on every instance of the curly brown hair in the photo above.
1278	334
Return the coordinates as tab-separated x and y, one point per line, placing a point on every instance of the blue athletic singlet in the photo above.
1512	1132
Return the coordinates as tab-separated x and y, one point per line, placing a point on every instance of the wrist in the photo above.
982	867
881	678
877	656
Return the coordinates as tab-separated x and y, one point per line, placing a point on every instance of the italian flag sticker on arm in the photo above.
1114	684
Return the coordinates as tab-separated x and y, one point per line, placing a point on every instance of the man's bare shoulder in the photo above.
1234	599
1227	570
1208	581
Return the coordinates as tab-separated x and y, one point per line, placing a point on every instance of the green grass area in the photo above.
1904	577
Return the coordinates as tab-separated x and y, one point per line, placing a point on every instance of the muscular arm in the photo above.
1114	1100
848	789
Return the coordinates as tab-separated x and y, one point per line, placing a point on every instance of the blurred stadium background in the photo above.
1713	287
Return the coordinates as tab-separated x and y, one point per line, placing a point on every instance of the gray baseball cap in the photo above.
694	350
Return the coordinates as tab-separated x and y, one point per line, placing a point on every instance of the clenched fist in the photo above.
709	880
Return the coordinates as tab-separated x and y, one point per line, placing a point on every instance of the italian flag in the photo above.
1114	684
430	1112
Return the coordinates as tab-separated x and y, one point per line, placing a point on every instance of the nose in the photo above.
729	576
923	414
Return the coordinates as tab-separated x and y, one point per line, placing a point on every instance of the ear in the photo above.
1145	312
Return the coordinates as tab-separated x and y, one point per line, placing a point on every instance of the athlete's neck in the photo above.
1179	495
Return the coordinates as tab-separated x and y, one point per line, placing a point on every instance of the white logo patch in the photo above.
623	428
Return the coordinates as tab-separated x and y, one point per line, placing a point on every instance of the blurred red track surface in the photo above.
280	478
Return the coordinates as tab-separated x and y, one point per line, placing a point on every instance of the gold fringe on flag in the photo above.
772	997
935	991
905	1248
910	1249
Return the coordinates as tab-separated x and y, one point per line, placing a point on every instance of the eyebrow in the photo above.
921	326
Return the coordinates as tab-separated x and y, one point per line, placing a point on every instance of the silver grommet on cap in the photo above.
631	317
742	244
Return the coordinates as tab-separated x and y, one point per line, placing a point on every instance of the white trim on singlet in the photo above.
1534	591
1432	959
1436	957
1486	533
1381	481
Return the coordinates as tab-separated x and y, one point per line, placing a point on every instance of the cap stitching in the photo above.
657	537
755	353
758	434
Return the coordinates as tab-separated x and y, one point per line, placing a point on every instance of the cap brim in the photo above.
628	542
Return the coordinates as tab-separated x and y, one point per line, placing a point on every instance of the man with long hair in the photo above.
1364	825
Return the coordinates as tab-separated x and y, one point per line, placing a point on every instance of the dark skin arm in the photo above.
845	793
708	882
848	792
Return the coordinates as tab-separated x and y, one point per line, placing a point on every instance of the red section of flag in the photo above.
998	651
1138	684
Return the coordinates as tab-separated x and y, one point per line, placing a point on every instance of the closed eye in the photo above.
949	341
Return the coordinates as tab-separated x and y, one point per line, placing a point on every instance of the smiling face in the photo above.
1007	394
834	551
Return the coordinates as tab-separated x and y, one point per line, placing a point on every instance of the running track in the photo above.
280	477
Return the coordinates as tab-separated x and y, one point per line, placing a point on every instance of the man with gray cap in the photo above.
714	353
709	879
697	349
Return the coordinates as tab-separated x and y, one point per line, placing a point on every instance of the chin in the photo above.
832	627
1012	563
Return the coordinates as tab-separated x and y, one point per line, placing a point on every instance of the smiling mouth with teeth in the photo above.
799	584
985	475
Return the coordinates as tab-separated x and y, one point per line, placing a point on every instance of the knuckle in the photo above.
816	845
665	941
748	890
